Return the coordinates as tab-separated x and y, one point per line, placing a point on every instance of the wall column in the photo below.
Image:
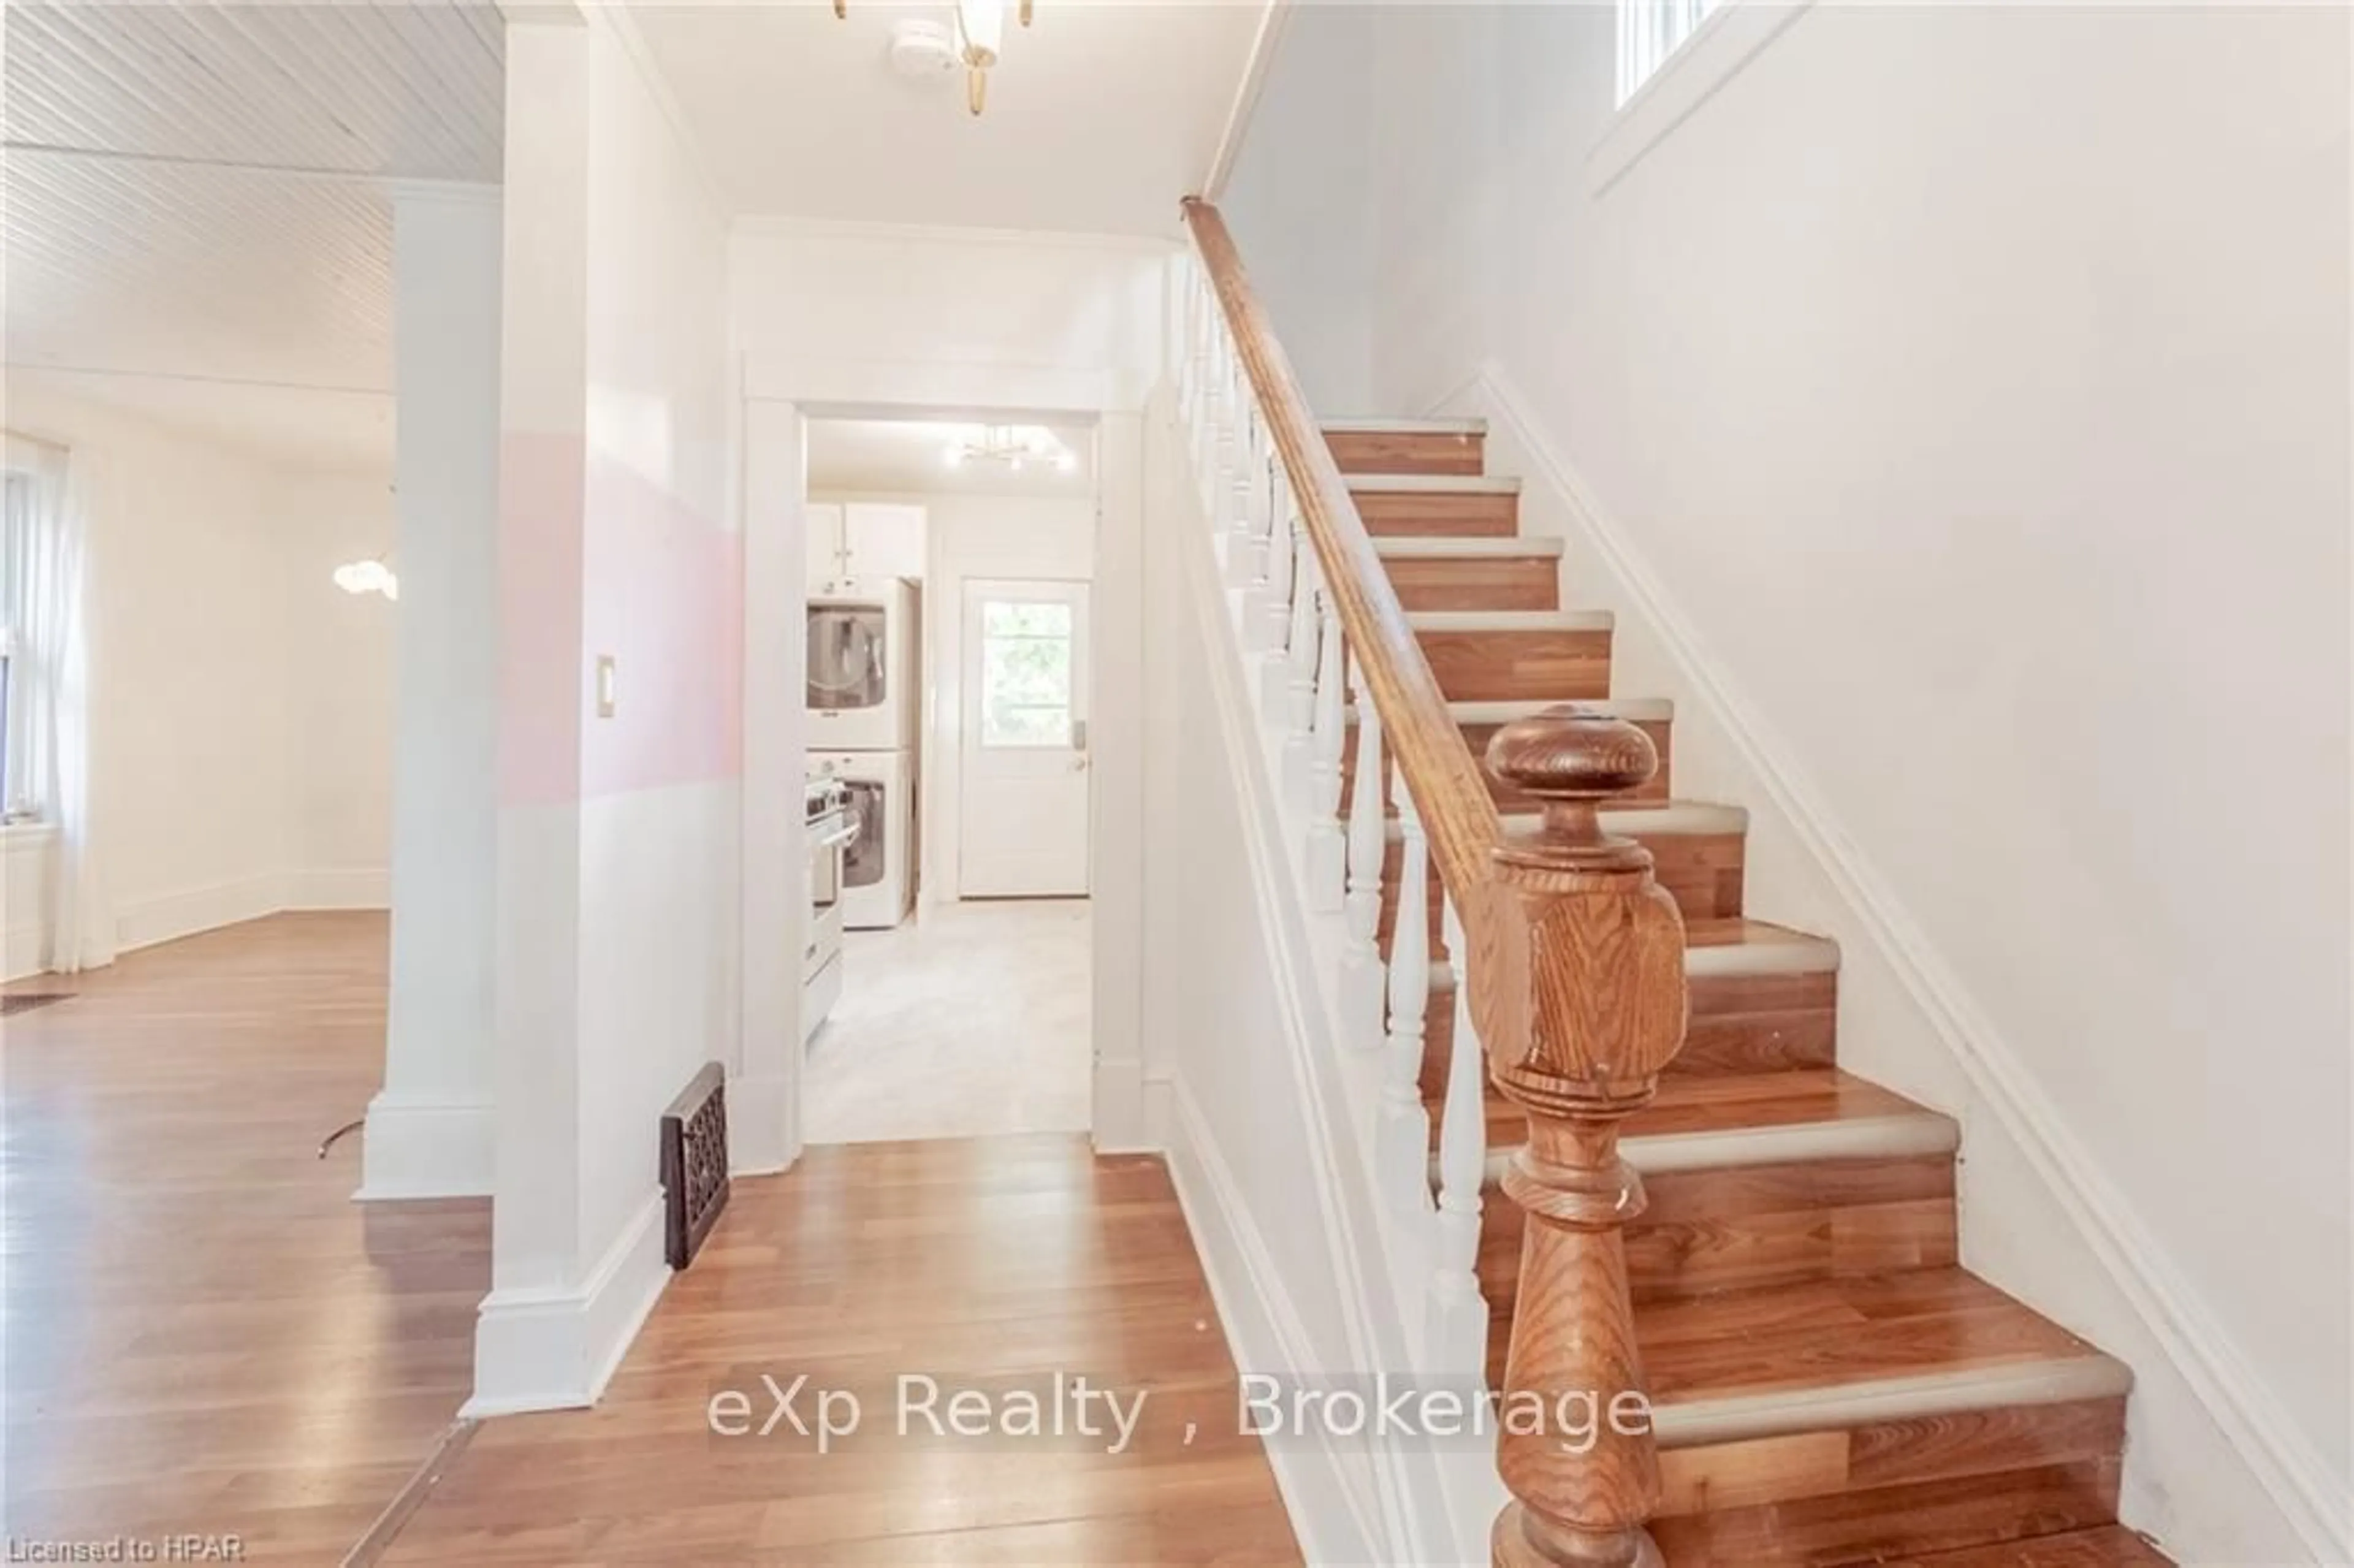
429	1129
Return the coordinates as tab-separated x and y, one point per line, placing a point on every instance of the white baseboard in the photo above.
556	1348
426	1148
2295	1477
339	887
759	1125
165	917
21	950
1122	1124
1264	1331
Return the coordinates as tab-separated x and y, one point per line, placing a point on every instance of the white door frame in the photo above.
766	1125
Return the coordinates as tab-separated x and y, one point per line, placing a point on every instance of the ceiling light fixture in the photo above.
368	576
1011	446
981	39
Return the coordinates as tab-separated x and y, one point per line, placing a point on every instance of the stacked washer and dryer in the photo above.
865	718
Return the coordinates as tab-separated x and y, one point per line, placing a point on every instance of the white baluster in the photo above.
1458	1314
1361	957
1403	1137
1215	382
1226	459
1246	559
1299	681
1274	599
1198	309
1327	852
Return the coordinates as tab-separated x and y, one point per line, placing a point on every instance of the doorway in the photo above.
961	1004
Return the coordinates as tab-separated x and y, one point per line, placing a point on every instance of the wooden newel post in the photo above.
1578	991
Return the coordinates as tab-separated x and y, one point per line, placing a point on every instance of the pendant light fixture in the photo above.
981	37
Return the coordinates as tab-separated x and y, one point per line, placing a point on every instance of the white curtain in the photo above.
50	712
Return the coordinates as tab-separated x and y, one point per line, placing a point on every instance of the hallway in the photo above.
970	1018
987	1264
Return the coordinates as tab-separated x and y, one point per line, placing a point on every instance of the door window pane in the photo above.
1025	673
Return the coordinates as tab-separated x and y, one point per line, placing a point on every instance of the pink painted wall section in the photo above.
664	597
541	483
595	559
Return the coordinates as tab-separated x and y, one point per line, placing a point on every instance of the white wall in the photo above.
1965	390
969	535
849	314
619	831
1300	202
242	708
339	712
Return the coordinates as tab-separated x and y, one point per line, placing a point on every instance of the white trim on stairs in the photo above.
1906	1134
1802	954
1736	1418
1434	484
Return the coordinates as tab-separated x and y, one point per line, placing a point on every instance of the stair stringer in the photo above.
1335	1307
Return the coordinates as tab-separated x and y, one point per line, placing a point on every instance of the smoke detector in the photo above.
924	51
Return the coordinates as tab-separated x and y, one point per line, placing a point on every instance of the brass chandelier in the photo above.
980	33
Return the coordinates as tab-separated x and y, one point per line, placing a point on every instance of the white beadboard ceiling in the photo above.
198	214
196	195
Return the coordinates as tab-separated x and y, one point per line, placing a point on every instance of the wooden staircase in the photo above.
1828	1386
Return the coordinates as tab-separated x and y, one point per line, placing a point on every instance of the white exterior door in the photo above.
1023	828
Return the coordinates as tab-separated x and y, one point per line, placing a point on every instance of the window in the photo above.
1025	673
19	800
1648	32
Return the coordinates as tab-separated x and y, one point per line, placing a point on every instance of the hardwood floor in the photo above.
206	1334
203	1332
987	1264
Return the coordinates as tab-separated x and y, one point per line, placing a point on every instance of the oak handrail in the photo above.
1572	960
1449	792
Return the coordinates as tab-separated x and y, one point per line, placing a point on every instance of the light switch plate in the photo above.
604	685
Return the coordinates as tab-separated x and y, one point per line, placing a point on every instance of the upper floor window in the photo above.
1651	31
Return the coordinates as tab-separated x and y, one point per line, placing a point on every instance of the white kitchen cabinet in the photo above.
865	539
884	541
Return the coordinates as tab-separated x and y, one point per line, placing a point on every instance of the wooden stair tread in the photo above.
1359	480
2113	1546
1724	1101
1467	547
1694	1106
1637	817
1936	1332
1383	425
1731	946
1455	447
1635	710
1739	945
